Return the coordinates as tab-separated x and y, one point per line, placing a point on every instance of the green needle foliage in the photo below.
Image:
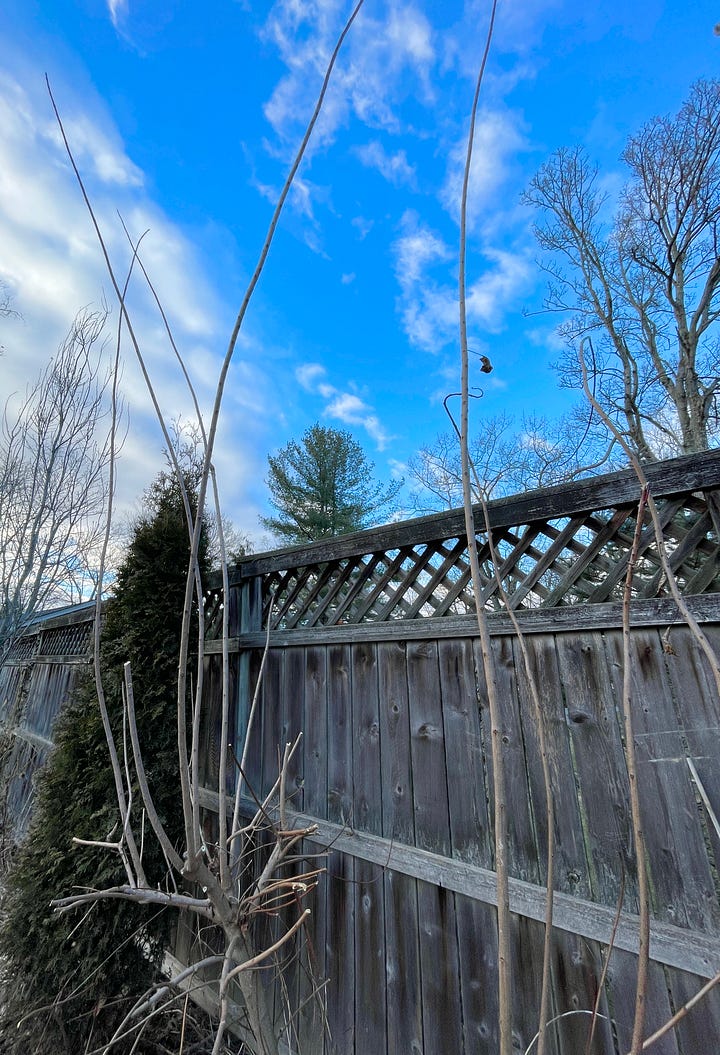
69	979
323	486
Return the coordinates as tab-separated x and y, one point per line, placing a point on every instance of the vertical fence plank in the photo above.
340	953
397	788
470	837
293	716
622	977
442	1021
370	954
402	968
313	1036
574	984
681	880
599	763
341	868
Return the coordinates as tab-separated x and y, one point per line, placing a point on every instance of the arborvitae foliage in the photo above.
71	978
323	486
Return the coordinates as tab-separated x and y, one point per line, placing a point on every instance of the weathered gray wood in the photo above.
523	860
340	789
477	944
526	938
340	953
315	737
439	967
686	949
622	977
367	768
292	703
470	823
430	794
402	965
599	763
575	618
271	743
576	970
253	763
397	785
680	875
370	959
571	870
703	1022
698	709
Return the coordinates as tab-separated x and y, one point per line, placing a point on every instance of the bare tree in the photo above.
6	305
53	480
644	283
507	458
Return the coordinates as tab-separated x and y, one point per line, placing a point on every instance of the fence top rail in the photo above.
694	472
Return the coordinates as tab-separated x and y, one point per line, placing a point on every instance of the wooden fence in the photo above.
374	658
35	681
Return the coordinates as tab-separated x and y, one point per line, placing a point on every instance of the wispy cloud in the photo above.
308	374
428	301
118	10
346	406
425	307
498	141
369	79
394	167
54	266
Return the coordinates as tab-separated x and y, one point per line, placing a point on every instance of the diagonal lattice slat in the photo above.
557	561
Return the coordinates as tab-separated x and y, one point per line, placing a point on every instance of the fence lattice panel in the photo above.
545	563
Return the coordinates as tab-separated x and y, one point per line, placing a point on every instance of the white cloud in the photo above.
362	226
308	374
348	278
428	303
51	259
348	406
395	168
117	10
384	60
488	297
426	308
497	141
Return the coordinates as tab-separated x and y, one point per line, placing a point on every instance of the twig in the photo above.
636	816
606	963
704	795
500	819
261	956
688	1006
565	1014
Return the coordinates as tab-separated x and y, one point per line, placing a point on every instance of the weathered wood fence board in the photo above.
374	656
35	682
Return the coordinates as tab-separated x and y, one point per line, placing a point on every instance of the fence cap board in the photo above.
693	472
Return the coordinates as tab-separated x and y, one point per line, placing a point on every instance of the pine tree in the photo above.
73	977
323	486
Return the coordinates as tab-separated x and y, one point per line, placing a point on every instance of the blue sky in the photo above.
184	118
